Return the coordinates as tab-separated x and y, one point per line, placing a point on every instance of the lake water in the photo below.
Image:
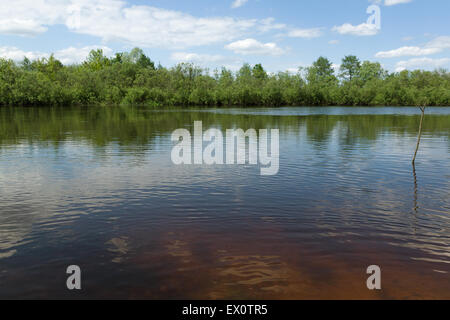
96	187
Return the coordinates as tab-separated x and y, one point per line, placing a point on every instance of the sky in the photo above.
283	35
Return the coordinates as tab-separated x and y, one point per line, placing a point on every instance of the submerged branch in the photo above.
420	134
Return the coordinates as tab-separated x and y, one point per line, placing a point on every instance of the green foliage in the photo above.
259	73
132	79
96	60
321	71
350	68
370	71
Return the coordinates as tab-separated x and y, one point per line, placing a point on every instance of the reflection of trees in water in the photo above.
13	229
416	190
131	127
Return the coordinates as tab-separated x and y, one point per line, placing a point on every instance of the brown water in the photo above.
95	187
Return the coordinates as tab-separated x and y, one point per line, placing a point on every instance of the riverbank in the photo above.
133	79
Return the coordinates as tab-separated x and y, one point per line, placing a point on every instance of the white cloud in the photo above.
20	27
435	46
206	60
194	57
135	25
422	63
238	3
254	47
153	27
336	67
407	51
200	58
440	42
364	29
269	24
293	70
389	2
66	56
76	55
394	2
16	54
30	17
305	33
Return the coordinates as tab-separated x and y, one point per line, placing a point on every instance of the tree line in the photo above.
132	78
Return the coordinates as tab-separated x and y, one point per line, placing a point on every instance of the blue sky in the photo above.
283	34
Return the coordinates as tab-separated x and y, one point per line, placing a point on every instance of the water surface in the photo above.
95	187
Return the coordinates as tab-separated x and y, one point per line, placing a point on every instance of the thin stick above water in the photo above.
420	133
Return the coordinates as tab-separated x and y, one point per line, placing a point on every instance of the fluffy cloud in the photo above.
336	67
238	3
200	58
254	47
76	55
435	46
269	24
389	2
30	17
206	60
21	27
305	33
16	54
440	42
154	27
394	2
407	51
135	25
194	57
364	29
422	63
66	56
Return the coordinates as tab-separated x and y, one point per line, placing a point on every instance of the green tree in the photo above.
96	60
130	78
350	68
371	70
26	64
48	66
259	73
138	57
245	73
321	70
